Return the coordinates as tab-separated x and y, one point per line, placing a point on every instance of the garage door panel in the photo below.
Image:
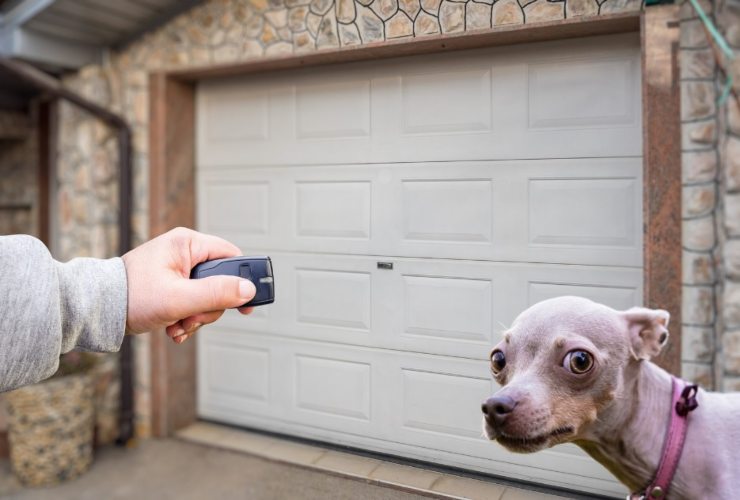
343	394
335	110
333	209
583	212
423	392
586	211
447	210
413	207
432	306
234	376
547	100
453	101
333	387
447	308
334	298
436	399
567	94
242	207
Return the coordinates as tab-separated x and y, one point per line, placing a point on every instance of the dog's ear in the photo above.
648	331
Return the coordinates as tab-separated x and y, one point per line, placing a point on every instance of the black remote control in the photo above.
258	270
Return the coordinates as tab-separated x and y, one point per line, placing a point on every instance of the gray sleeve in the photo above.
48	308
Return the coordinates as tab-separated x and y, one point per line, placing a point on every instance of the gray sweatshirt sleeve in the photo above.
48	308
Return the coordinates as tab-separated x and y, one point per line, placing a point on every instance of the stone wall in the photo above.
87	215
224	31
18	172
728	17
711	202
700	163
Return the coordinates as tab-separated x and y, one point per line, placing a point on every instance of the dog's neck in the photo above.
628	436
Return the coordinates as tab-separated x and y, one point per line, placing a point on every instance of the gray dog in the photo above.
576	371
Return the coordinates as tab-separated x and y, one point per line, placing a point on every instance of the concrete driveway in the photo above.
174	469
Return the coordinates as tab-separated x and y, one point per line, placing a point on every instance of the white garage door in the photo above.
412	208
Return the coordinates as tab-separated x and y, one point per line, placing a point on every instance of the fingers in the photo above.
208	247
176	330
246	310
184	329
194	322
215	293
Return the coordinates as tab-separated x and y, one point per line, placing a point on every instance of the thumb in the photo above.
214	293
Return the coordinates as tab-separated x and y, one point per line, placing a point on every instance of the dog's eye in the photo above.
578	362
498	362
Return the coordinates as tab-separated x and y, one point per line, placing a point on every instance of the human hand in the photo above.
161	293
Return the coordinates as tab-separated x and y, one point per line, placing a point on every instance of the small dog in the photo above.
576	371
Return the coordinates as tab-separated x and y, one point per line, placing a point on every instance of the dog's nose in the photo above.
497	408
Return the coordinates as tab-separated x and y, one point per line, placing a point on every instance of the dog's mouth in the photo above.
531	443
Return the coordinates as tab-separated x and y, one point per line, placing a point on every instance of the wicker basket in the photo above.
50	430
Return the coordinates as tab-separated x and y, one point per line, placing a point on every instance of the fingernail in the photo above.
246	289
179	331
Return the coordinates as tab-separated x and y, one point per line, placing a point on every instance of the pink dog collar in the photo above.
682	403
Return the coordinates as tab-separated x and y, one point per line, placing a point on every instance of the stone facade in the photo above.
711	180
700	166
77	208
18	149
18	193
225	31
728	368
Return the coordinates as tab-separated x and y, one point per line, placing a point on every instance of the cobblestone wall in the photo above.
700	179
223	31
729	230
18	185
711	202
18	173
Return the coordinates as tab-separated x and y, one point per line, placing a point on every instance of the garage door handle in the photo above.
385	265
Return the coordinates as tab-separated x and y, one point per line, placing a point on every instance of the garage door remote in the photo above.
258	270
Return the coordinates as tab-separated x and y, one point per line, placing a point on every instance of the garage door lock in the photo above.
385	265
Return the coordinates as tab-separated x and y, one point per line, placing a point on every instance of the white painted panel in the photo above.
489	179
458	101
454	308
238	206
333	298
436	306
619	298
333	110
435	434
333	386
237	115
583	93
556	99
333	209
443	403
588	212
585	211
447	210
237	371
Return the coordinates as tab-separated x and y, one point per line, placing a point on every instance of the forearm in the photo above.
48	308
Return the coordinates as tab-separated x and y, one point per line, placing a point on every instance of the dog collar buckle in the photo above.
687	402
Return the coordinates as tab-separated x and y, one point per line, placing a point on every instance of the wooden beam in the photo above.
171	204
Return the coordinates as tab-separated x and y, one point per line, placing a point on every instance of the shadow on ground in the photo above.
172	469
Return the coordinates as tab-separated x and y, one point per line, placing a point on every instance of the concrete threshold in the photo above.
416	480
